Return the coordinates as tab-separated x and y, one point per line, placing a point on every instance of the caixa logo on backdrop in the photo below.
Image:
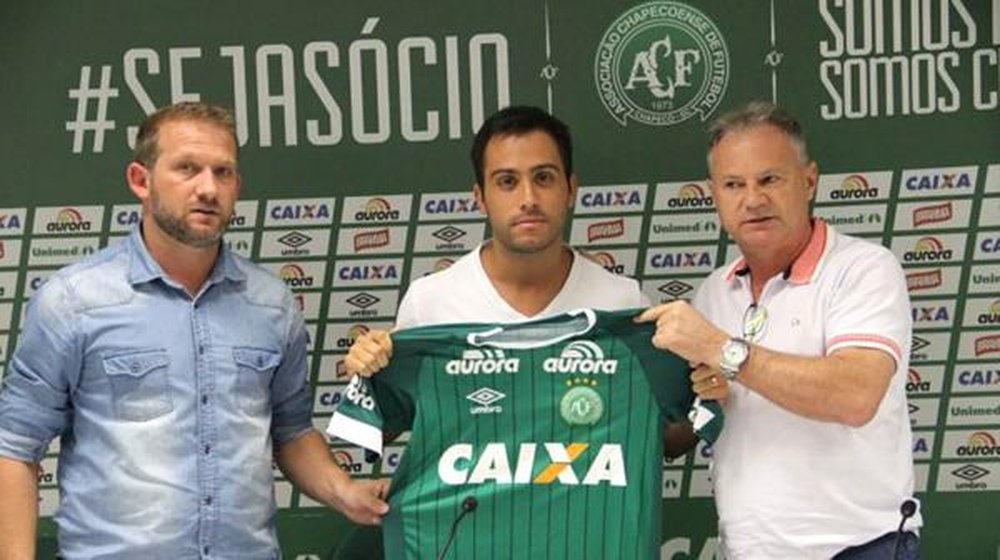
661	63
12	221
297	212
449	205
975	378
938	181
611	198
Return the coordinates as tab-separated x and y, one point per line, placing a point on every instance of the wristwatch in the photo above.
734	354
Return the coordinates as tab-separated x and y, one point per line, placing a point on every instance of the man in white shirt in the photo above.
807	335
525	185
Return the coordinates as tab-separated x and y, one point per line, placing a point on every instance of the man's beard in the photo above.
176	228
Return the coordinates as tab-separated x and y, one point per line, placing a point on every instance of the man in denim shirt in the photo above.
174	371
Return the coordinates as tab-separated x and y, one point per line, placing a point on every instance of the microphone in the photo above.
469	505
906	511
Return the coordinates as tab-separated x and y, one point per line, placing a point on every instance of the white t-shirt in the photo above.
787	486
463	293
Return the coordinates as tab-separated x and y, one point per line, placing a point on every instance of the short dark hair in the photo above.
147	149
758	113
518	120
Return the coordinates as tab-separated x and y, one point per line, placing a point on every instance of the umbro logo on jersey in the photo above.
581	356
459	464
485	397
482	360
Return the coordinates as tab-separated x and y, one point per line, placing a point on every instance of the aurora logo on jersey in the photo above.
580	356
482	360
494	465
357	394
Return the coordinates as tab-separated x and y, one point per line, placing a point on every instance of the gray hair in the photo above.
754	114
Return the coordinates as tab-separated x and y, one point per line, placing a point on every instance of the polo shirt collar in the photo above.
804	266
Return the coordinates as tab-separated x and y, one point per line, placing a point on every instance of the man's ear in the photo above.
812	179
477	191
137	177
574	187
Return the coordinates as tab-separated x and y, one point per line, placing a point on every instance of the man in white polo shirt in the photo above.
807	335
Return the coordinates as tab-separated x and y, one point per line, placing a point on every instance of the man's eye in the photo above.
507	181
544	177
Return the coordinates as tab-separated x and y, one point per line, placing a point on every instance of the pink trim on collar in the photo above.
802	269
805	265
739	265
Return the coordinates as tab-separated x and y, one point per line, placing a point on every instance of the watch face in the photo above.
734	352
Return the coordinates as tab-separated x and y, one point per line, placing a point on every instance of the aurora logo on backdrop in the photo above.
661	63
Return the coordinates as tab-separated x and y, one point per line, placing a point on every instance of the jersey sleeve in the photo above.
668	376
358	419
706	418
374	407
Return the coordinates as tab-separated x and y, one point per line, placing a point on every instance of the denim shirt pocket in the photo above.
140	384
254	368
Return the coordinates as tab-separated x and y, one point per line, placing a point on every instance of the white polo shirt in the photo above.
787	486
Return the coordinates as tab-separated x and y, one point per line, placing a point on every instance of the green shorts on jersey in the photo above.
554	428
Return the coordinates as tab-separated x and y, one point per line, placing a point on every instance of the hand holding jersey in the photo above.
563	414
369	353
708	384
684	331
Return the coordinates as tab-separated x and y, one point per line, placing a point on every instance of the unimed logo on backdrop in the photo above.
661	63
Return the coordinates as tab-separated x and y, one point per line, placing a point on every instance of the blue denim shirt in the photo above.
168	406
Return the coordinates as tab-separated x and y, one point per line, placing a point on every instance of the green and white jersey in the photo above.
554	427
